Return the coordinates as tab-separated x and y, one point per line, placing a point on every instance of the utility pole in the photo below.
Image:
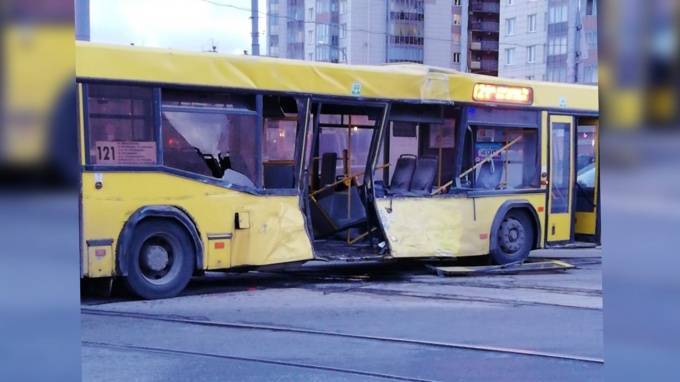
255	50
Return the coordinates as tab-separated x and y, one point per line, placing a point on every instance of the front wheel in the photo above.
514	238
160	261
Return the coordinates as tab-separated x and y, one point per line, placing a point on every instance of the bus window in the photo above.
278	153
210	135
515	163
351	154
419	150
121	128
586	169
438	141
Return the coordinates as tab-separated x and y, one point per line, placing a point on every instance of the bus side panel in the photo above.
445	227
428	227
276	232
487	208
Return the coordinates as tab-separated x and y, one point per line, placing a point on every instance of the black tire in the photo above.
160	261
514	238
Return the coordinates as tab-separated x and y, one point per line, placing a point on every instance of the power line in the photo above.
315	23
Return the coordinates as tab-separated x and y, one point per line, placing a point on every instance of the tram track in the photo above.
365	289
175	352
405	341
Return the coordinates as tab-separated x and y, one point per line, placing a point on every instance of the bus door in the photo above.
561	178
587	180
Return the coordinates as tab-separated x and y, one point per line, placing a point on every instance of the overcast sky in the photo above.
178	24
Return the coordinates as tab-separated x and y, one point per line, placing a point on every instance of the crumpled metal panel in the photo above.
277	229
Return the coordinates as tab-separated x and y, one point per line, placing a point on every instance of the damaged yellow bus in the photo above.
194	162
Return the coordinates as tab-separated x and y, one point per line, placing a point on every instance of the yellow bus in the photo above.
194	162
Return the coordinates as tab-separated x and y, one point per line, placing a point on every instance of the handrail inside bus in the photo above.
345	179
476	166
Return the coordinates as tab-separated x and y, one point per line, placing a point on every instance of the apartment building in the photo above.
550	40
366	31
480	33
523	39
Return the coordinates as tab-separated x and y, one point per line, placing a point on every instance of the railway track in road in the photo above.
405	341
175	352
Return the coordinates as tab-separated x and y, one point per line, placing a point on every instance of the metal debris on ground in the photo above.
506	269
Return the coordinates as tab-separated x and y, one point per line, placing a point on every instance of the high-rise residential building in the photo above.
480	31
366	31
523	39
551	40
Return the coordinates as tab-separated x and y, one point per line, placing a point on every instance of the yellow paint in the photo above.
402	81
99	260
37	65
219	258
276	234
444	226
559	224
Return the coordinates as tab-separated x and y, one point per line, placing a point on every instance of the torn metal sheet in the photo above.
513	268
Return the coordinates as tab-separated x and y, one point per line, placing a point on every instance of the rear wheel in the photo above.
514	238
160	261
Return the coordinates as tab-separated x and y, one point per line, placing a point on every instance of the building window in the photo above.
557	74
591	8
531	23
343	30
531	54
456	3
510	2
558	14
121	125
557	46
591	39
590	74
456	58
509	56
456	19
510	26
343	7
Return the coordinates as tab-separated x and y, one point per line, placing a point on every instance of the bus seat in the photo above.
403	172
329	163
330	216
490	174
423	177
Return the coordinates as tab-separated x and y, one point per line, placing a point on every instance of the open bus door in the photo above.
561	179
573	196
587	185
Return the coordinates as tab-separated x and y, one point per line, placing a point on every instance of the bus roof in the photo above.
410	82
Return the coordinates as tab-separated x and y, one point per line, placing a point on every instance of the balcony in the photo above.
487	7
484	66
491	46
484	26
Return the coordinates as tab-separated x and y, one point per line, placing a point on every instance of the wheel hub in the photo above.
511	236
156	258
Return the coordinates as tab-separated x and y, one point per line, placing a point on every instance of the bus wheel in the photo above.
161	259
514	238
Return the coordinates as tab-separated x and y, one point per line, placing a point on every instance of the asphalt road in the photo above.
355	323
